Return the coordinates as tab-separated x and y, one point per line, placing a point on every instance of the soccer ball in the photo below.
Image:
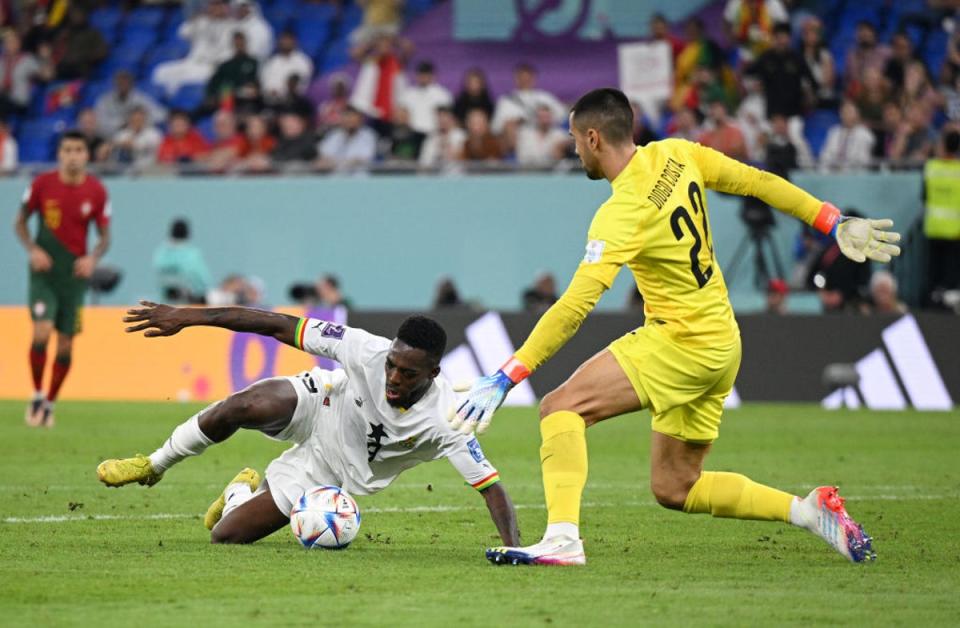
326	517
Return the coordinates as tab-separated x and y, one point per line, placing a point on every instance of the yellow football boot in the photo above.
126	470
247	476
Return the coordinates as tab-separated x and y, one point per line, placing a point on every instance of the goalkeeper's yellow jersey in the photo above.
657	224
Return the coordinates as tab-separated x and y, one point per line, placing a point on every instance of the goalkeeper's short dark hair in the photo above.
607	110
421	332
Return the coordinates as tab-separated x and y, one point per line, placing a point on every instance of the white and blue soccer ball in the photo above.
325	517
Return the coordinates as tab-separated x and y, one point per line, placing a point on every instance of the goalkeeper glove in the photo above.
485	396
859	239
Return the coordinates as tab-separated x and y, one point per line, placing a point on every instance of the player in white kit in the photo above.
357	427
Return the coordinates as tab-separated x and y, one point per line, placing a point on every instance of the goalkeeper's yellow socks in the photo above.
563	457
737	496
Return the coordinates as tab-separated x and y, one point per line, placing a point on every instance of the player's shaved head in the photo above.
608	111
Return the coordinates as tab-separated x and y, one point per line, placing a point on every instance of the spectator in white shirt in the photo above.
287	61
351	146
849	144
210	35
113	108
521	104
137	143
423	97
444	145
258	31
9	150
542	143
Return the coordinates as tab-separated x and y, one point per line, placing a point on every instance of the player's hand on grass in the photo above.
484	396
40	260
861	239
155	319
83	266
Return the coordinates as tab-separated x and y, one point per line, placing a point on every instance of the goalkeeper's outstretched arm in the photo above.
858	238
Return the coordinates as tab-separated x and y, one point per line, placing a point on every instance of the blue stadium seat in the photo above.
153	90
416	8
37	139
279	18
817	125
188	97
143	36
164	52
106	21
352	16
146	17
336	56
312	36
315	13
36	150
205	126
93	90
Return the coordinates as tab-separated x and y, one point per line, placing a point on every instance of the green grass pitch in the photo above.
76	553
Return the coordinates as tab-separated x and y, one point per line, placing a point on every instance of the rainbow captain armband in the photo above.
515	370
298	333
827	220
486	482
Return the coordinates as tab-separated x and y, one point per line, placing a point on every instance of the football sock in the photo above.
563	456
737	496
187	440
38	359
61	366
236	495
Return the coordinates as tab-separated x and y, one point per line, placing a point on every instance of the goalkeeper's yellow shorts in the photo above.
685	388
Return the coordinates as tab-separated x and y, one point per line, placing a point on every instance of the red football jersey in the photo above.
67	209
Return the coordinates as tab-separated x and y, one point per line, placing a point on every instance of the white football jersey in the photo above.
364	440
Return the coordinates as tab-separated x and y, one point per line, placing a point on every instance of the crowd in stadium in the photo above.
227	90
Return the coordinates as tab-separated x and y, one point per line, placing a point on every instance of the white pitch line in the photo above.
412	509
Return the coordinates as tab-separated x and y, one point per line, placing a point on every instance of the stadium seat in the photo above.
312	37
279	18
164	52
143	36
205	126
336	56
146	17
816	127
352	16
93	90
37	139
315	13
152	90
188	97
106	21
415	8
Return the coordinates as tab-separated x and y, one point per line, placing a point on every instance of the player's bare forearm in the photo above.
102	244
157	319
20	228
503	514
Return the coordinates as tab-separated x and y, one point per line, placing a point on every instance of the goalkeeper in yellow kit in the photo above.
683	362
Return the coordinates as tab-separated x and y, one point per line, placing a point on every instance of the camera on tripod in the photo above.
757	215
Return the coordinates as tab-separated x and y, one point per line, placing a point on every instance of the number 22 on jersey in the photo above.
681	221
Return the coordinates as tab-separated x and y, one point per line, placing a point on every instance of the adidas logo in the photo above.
899	374
487	346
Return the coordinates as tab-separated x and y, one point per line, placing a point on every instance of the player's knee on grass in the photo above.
671	492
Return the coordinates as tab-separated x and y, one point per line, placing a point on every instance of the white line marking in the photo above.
413	509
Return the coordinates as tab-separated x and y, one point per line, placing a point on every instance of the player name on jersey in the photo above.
663	188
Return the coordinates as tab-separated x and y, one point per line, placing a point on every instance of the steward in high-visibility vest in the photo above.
941	178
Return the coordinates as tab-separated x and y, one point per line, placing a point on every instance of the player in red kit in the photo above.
67	200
